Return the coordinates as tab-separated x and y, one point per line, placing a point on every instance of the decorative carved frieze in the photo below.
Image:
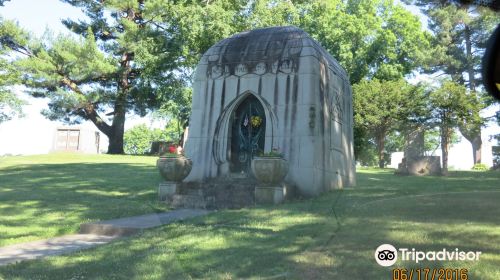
260	68
241	69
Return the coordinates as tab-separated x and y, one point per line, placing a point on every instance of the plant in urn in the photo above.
173	167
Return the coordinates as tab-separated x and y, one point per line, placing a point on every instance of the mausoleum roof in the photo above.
266	50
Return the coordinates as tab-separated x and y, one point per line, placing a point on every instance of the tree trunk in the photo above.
445	143
474	135
114	132
115	146
476	148
118	126
380	148
470	59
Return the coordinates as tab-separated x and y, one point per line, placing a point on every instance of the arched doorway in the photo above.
248	130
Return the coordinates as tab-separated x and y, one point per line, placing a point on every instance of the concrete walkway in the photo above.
92	234
50	247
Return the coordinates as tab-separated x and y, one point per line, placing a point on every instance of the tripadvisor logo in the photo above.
387	255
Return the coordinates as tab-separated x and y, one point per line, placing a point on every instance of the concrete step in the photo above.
233	191
193	191
238	175
189	201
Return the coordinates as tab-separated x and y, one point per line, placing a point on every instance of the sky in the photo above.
39	15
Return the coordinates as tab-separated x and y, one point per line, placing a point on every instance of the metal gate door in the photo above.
248	133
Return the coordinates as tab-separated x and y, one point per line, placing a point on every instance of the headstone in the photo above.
272	89
424	165
415	143
414	161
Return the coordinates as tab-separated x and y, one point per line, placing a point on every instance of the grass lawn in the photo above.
302	239
49	195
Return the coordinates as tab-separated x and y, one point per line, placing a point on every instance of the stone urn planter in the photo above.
270	172
173	168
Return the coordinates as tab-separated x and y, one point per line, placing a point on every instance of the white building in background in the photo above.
459	157
34	134
27	137
83	139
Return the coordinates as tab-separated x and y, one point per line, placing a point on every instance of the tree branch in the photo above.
88	108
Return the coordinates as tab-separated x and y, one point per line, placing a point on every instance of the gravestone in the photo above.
272	89
414	161
414	147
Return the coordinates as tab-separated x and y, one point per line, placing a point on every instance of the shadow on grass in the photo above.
296	238
52	199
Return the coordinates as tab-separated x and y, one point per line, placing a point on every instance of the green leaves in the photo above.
448	99
265	13
369	38
454	105
68	70
78	59
385	104
138	139
10	103
381	108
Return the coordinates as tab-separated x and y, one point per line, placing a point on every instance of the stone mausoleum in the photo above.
272	89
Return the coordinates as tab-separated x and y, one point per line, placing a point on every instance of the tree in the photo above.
78	78
118	63
138	139
10	104
496	148
432	139
131	56
471	122
460	35
448	103
177	110
369	38
382	106
128	56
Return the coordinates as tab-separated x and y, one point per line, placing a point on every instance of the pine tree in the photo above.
118	63
460	35
10	104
